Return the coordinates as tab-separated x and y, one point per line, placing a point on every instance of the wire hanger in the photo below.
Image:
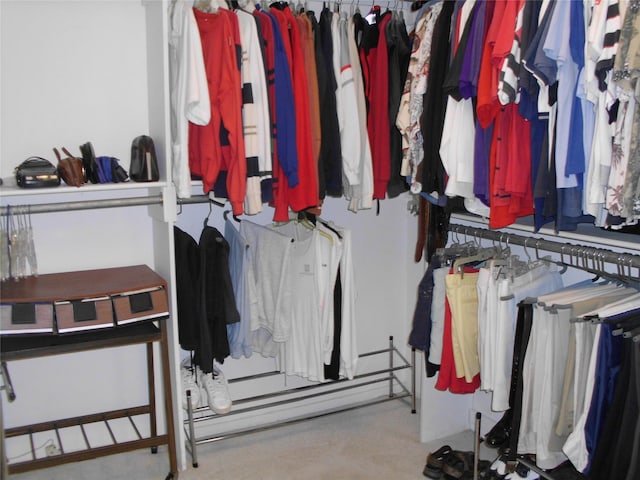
211	203
304	220
328	225
564	266
206	219
226	216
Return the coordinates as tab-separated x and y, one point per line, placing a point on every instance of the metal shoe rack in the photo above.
397	391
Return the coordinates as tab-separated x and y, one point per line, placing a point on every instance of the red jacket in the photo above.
220	38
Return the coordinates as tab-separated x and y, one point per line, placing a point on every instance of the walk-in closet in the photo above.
317	224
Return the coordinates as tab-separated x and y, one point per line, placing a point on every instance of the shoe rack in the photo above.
397	390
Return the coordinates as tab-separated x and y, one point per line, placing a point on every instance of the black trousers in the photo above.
521	340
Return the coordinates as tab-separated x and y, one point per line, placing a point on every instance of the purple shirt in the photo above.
468	82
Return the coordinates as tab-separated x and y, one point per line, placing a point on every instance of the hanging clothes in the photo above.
255	114
433	111
449	377
358	192
285	160
331	149
320	255
304	194
217	299
307	36
399	47
206	303
498	326
189	90
187	293
219	145
346	103
270	286
239	333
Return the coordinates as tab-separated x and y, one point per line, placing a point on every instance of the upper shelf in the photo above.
10	189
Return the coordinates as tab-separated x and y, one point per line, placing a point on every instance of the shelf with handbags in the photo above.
86	172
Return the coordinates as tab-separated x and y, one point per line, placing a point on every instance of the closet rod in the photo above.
95	204
583	255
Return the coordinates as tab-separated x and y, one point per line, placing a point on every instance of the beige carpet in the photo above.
375	442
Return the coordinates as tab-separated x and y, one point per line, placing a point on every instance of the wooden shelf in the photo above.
79	285
21	347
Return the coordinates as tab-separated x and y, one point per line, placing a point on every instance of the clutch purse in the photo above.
37	172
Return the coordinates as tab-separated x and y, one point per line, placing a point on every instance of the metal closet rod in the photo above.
95	204
585	256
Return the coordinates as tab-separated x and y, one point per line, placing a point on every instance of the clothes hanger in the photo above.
503	259
594	299
458	249
205	6
304	220
564	266
481	255
328	225
211	203
226	213
615	308
206	219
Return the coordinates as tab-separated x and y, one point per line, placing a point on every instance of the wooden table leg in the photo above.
168	401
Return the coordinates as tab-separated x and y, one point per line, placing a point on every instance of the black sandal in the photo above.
457	464
435	462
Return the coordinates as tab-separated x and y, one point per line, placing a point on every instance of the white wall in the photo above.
64	68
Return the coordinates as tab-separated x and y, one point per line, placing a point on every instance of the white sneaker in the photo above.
215	388
189	380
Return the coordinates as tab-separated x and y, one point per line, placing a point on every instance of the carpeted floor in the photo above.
375	442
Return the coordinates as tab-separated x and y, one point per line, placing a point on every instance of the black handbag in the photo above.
37	172
144	165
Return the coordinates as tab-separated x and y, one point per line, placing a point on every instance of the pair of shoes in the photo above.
435	461
216	389
189	381
458	465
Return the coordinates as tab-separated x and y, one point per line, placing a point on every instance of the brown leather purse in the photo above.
70	168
